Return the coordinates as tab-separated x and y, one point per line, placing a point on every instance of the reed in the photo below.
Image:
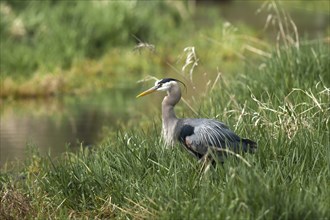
281	101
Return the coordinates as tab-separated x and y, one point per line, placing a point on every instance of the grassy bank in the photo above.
66	47
61	47
277	95
43	36
131	175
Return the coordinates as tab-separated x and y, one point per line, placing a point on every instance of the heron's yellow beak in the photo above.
149	91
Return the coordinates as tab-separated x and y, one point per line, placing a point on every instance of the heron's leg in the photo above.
206	161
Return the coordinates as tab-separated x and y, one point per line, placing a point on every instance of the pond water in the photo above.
311	23
62	123
58	124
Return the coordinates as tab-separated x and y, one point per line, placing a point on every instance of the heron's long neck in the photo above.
172	98
168	114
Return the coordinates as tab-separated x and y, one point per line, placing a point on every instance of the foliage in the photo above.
131	174
280	100
44	35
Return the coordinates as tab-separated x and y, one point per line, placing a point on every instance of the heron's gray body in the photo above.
199	136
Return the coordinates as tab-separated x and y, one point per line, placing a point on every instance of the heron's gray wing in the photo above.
199	135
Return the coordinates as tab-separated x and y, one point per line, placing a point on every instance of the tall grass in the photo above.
131	175
283	104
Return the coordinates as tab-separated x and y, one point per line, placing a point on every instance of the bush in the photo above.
48	34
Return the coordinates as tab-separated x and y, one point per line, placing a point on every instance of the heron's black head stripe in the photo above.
165	80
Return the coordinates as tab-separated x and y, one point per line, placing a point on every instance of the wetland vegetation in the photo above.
273	90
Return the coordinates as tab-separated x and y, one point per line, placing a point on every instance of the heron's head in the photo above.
161	85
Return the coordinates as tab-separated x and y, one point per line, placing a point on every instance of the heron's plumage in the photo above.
199	136
205	134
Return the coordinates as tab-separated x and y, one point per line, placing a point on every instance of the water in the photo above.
310	23
59	124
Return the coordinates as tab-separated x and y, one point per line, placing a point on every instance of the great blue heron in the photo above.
199	136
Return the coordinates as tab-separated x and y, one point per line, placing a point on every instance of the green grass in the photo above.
131	174
95	51
42	56
42	36
281	101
